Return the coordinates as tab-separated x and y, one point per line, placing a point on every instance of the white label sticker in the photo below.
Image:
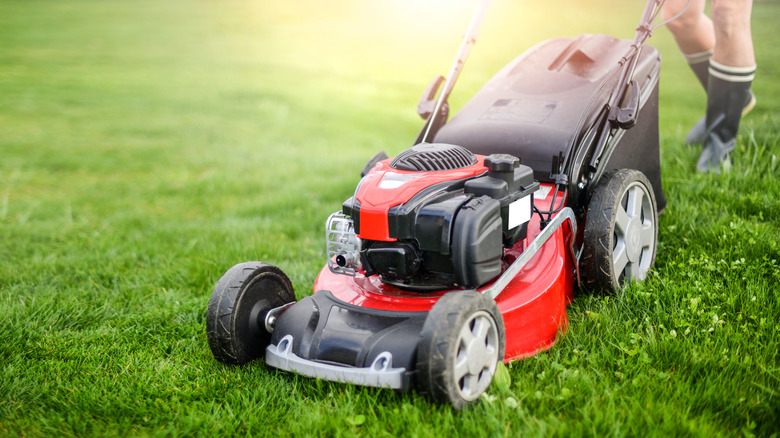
542	192
519	212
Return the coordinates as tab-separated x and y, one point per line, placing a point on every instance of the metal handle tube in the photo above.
499	285
468	42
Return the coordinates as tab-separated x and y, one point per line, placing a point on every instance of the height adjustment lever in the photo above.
427	101
624	117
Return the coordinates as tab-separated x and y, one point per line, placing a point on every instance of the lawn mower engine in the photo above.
435	217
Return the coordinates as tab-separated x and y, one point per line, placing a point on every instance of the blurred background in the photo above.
185	112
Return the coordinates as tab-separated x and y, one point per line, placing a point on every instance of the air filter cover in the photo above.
429	157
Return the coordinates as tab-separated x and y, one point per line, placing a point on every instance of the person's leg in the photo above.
695	36
731	73
693	31
731	20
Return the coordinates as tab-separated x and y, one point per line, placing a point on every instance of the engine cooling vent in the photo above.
432	157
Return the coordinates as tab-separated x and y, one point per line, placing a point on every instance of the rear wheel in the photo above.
621	231
372	162
235	320
461	342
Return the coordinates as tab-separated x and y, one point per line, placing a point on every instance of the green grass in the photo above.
146	147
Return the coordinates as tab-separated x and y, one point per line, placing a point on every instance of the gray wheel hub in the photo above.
633	242
635	234
477	355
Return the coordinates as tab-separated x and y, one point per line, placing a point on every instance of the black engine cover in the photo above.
450	234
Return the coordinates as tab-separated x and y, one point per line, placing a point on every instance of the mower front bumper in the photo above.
323	337
380	373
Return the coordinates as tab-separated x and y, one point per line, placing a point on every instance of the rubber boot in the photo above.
699	130
700	63
728	88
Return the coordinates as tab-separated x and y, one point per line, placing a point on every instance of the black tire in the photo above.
621	232
379	156
460	345
235	321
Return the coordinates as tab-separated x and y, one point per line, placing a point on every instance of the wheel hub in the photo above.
633	240
477	354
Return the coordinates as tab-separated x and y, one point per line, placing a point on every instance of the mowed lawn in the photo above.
148	146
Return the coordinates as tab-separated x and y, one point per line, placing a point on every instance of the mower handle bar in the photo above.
566	214
457	65
616	116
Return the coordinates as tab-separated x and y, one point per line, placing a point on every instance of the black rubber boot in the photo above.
699	131
700	64
728	89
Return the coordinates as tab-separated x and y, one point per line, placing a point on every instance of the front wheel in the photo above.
460	345
621	231
235	320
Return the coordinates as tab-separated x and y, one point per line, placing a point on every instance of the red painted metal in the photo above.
533	305
380	190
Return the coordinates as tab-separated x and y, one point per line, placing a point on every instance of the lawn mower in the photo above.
464	250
